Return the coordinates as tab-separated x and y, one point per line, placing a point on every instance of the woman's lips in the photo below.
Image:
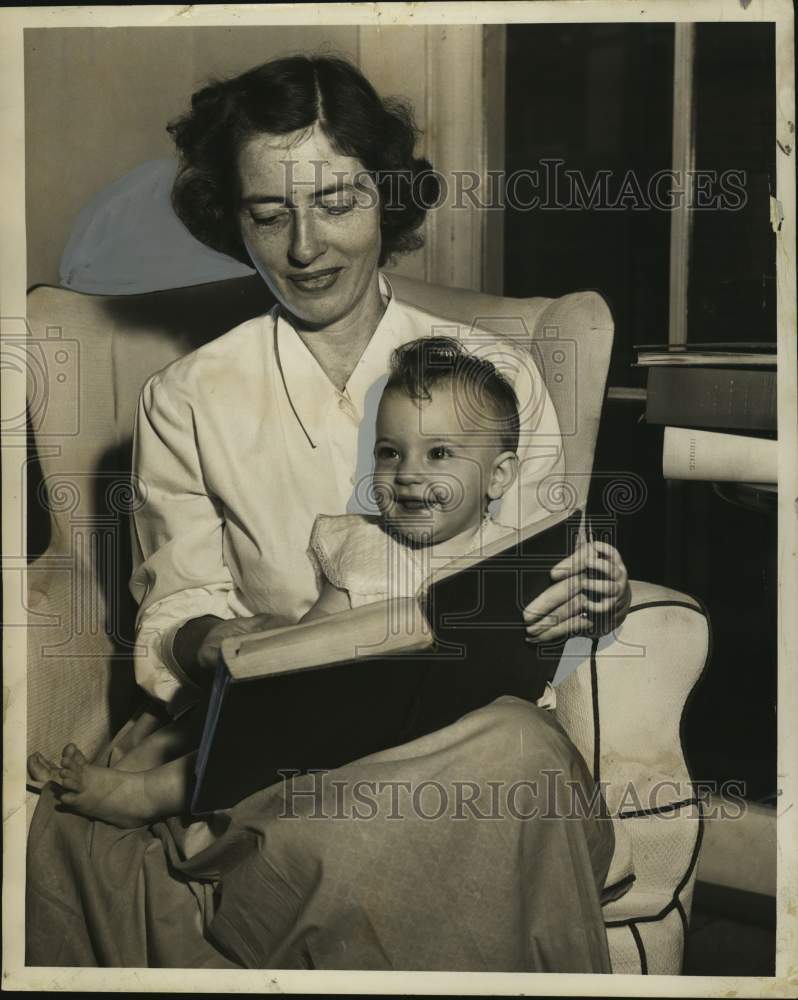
315	281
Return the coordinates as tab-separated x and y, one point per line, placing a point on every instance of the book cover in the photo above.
392	675
751	354
705	455
720	398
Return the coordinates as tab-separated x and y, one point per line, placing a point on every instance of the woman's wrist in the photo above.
188	641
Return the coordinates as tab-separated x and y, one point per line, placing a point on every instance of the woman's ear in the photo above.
503	474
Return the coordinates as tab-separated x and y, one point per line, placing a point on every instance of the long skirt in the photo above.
478	847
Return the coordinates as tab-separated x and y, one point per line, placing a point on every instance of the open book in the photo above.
318	695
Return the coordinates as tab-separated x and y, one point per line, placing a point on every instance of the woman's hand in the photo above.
198	644
565	609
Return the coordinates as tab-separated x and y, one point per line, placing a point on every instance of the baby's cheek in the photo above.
382	493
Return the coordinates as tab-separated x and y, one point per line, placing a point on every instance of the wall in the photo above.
98	100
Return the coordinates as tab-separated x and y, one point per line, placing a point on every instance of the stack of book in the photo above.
717	403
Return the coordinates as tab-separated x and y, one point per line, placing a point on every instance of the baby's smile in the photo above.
416	504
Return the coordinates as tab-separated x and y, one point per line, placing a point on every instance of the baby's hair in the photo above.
483	392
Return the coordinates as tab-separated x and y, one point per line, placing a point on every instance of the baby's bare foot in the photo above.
41	770
118	797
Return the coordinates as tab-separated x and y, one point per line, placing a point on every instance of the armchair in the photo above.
623	697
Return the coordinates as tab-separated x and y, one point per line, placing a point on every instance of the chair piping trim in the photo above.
680	910
630	922
641	950
596	730
667	604
675	901
658	810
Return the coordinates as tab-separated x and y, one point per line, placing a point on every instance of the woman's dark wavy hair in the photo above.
420	365
283	96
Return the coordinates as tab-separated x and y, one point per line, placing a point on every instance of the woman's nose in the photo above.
306	243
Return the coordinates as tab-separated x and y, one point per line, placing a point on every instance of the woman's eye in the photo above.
269	220
337	208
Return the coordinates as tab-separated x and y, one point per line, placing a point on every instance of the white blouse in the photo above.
240	444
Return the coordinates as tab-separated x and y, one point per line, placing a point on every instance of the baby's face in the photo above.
433	467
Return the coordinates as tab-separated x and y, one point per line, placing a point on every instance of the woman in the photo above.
298	167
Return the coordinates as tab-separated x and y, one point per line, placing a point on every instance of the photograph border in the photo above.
13	284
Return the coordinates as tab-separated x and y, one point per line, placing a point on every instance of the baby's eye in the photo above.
386	452
439	452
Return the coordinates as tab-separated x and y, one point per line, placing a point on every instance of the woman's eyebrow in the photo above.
268	199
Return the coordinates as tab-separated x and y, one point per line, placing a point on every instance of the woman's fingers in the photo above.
592	556
576	592
579	624
589	584
574	608
551	599
599	586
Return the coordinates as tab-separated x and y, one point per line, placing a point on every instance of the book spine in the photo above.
724	398
704	455
221	682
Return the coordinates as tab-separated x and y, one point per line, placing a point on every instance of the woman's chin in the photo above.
318	311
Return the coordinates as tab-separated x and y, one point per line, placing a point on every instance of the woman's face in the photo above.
310	219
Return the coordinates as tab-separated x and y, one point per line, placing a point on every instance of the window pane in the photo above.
598	97
732	285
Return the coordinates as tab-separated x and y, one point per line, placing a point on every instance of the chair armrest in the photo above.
623	706
624	696
80	682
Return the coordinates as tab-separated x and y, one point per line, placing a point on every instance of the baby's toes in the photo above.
70	779
72	757
41	769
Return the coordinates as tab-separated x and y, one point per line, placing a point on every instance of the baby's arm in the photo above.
331	600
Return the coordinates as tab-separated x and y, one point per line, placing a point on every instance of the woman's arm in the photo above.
179	571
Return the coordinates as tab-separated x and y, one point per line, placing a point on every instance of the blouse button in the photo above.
346	407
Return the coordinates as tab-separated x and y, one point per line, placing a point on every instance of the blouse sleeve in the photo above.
179	571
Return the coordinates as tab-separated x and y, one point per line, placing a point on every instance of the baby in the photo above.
446	441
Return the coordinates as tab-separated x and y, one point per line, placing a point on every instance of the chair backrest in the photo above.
89	356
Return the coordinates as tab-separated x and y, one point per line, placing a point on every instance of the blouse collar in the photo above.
309	390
